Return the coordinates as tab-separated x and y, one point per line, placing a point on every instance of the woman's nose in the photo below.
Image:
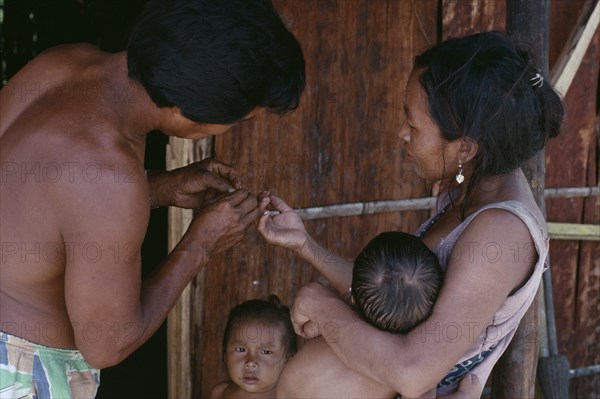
404	132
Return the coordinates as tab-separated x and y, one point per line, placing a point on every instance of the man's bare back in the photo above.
63	160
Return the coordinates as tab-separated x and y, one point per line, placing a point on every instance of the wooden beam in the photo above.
184	334
178	324
573	231
570	58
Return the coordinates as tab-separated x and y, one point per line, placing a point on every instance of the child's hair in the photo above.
270	312
486	88
395	282
216	60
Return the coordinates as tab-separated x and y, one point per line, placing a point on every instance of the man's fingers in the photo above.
225	171
208	180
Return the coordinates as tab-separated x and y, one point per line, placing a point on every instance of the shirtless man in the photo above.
75	199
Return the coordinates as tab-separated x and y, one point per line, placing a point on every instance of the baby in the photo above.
395	281
258	341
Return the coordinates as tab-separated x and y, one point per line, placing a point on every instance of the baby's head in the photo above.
259	339
395	282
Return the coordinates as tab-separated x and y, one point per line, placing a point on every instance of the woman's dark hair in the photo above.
216	60
395	282
483	87
270	312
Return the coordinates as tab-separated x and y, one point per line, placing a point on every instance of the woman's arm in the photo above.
476	284
287	230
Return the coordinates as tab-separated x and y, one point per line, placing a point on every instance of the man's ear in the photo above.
468	149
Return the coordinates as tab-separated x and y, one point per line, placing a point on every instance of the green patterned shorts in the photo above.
33	371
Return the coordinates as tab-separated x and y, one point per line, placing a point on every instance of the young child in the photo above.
258	341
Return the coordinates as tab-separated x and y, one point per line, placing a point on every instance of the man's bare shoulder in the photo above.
61	59
50	80
65	54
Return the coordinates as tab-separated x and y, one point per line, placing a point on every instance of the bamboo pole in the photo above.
414	204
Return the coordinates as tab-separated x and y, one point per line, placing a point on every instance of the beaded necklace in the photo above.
433	220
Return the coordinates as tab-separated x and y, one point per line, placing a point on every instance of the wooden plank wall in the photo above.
572	161
341	145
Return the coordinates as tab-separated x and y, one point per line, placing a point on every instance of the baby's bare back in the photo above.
316	372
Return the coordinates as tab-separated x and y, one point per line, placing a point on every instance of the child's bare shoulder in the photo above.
219	390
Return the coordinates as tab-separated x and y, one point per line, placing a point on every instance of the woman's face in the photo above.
256	354
433	157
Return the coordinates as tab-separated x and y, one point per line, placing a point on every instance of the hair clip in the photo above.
538	79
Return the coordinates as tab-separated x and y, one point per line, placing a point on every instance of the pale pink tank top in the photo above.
488	348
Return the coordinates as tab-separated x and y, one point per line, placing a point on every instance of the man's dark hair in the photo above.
395	282
216	60
270	312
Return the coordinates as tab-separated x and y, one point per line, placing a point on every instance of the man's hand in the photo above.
222	224
192	186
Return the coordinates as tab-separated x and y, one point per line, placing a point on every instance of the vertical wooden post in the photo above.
184	321
527	23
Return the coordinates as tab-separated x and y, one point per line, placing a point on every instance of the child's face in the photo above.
256	355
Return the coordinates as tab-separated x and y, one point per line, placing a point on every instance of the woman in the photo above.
476	109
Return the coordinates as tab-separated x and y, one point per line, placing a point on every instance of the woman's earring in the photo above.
459	176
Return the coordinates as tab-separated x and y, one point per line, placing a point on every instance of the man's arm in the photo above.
111	310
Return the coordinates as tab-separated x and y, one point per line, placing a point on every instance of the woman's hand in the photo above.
469	388
284	228
192	186
308	299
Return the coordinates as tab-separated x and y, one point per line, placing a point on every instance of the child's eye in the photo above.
266	352
239	349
